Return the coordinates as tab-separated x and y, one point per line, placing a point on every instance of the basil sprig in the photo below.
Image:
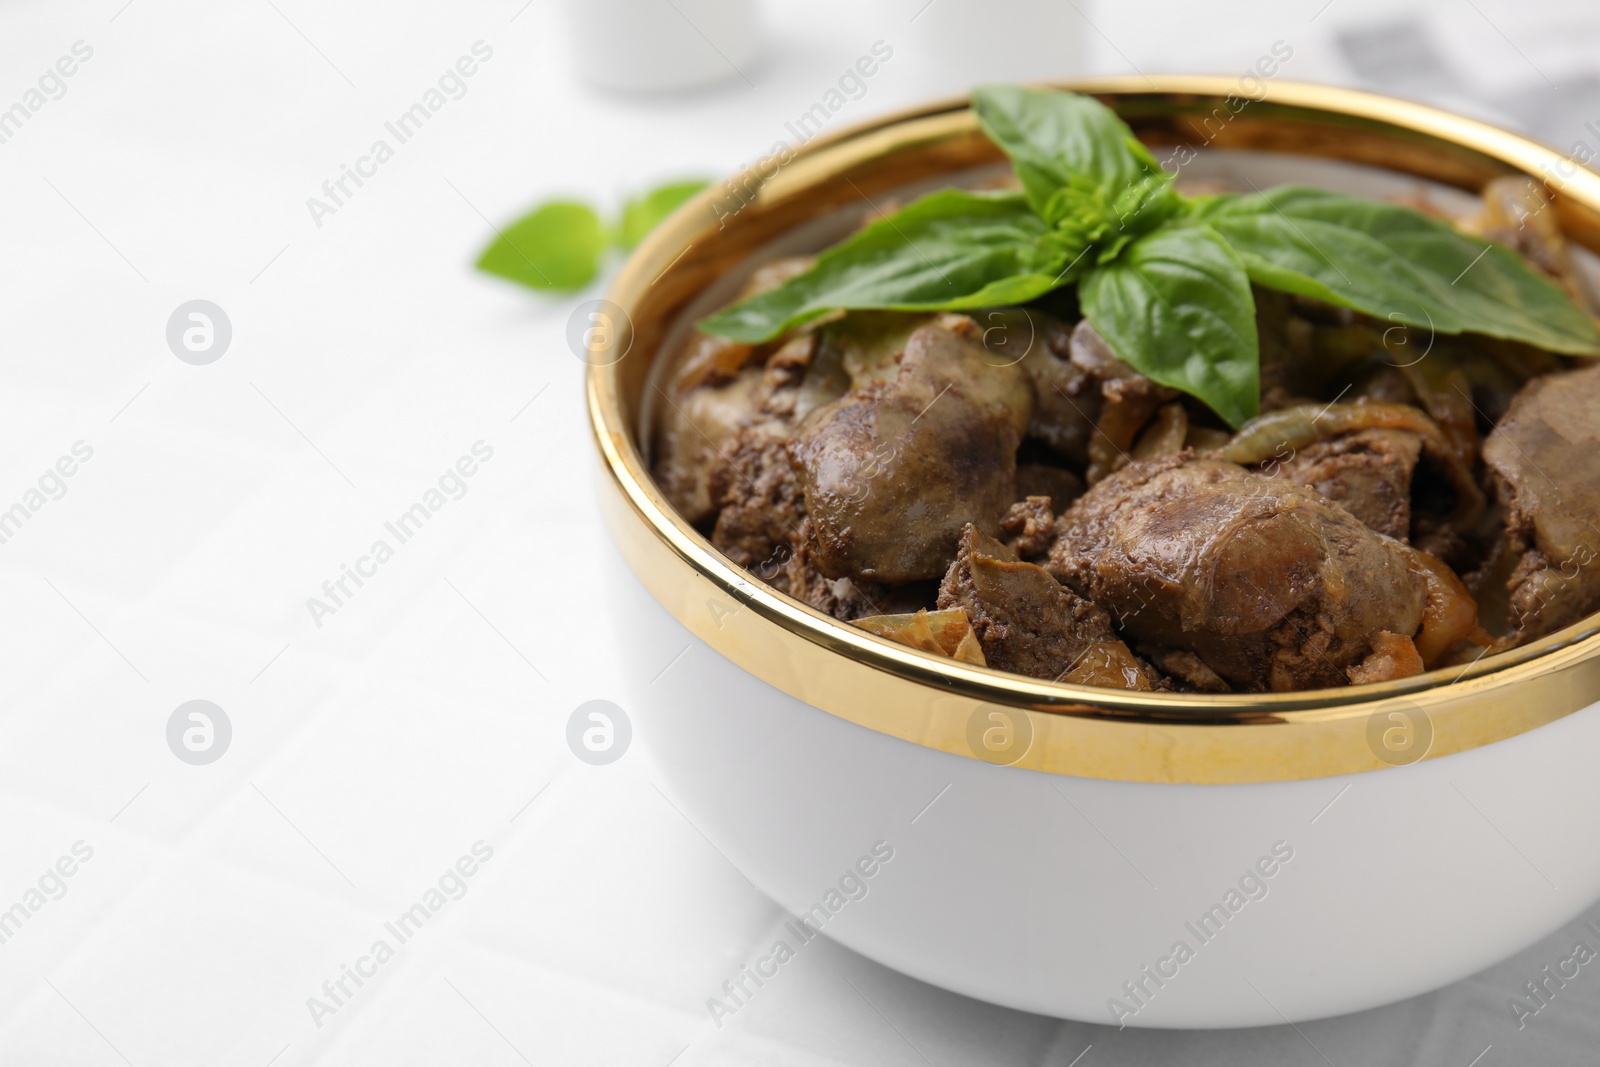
1391	262
949	250
1179	299
1165	279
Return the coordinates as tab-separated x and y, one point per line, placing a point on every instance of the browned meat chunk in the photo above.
1369	472
1057	483
761	504
893	471
859	350
719	387
1545	456
711	360
867	344
1029	526
1443	525
1186	668
698	425
781	396
693	429
1271	585
1285	345
843	598
1129	399
1029	623
762	527
1066	397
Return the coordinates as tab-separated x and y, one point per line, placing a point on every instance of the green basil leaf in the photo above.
949	250
1176	306
555	247
1391	262
1056	139
641	214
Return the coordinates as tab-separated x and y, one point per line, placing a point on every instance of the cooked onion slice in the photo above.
1280	433
1110	664
944	633
1449	614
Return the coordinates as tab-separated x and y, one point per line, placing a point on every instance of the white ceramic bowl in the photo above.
1168	861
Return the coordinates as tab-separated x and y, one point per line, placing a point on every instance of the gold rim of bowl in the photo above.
1011	719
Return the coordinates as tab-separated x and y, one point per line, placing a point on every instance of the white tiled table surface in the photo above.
371	752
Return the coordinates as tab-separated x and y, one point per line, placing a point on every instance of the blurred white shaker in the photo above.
641	45
951	45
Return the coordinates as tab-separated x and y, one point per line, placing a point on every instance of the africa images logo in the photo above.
1250	887
853	885
451	885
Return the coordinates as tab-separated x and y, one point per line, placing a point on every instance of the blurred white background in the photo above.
428	713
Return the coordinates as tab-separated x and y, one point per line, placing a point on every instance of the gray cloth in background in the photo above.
1553	99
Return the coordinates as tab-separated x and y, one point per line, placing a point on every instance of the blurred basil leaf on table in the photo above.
642	213
561	245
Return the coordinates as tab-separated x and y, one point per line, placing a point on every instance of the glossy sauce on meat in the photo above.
892	472
1271	585
1545	455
